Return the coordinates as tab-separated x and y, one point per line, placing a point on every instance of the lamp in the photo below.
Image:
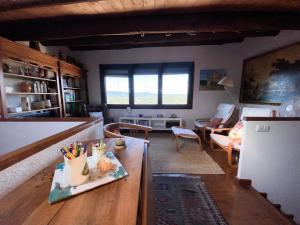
226	82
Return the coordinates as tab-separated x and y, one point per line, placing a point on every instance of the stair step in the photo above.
277	206
265	195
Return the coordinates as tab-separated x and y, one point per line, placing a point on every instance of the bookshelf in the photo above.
73	89
28	77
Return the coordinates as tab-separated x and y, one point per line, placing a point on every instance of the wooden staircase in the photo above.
238	201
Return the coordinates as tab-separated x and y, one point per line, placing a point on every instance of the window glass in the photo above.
117	90
145	89
175	89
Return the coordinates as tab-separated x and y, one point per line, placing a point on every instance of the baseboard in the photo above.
243	182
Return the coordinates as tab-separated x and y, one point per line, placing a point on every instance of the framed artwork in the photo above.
272	77
209	79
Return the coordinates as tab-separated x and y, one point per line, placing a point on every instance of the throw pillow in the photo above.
237	131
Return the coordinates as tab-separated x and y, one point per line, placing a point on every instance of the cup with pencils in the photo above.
76	170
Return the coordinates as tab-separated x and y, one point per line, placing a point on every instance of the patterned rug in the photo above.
184	200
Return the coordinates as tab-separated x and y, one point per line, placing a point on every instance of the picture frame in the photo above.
209	79
272	77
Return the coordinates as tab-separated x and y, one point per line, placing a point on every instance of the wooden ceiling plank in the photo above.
138	4
6	5
14	9
159	4
127	5
97	7
149	4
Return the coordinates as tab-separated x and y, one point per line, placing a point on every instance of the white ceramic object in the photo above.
47	103
25	102
73	170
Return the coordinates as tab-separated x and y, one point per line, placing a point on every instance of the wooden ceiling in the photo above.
31	9
113	24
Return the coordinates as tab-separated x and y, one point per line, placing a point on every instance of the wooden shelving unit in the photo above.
20	64
73	89
156	123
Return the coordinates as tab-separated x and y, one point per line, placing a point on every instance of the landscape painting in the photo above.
273	77
209	79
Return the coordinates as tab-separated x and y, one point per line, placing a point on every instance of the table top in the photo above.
114	203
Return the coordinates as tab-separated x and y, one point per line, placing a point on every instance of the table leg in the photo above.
199	143
177	144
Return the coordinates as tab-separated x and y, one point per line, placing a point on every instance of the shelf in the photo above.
35	110
74	101
72	88
29	93
27	77
161	123
30	64
72	76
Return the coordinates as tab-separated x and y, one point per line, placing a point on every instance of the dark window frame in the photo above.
131	67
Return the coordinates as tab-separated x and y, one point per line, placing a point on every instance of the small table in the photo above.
185	133
111	204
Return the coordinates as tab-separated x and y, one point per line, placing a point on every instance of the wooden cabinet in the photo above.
29	82
73	89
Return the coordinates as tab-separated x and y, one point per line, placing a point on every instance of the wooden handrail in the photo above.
47	119
147	197
33	148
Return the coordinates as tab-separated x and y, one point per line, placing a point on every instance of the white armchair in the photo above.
232	141
219	120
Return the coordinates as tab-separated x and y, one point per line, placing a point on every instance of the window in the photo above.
153	85
145	89
117	90
175	89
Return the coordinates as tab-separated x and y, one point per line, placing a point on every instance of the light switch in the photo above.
262	128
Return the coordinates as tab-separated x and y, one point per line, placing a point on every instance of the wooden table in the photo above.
115	203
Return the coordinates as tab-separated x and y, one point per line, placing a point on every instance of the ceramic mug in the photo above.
76	171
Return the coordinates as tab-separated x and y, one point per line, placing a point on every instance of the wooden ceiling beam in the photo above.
6	5
144	45
153	38
45	29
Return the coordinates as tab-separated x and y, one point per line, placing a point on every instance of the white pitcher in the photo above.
76	170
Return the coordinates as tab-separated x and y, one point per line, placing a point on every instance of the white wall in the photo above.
14	135
205	57
271	161
228	56
13	176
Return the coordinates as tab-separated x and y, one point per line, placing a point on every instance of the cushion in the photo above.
224	141
224	111
237	131
214	123
184	132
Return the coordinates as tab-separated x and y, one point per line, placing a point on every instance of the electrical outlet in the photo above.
262	128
